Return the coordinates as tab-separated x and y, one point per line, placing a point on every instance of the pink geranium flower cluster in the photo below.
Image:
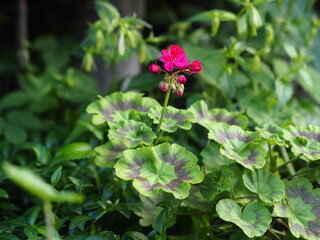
175	63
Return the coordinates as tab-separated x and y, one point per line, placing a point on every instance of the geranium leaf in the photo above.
215	182
304	140
272	133
301	207
109	153
254	220
173	118
243	146
267	185
212	158
168	167
205	117
120	106
149	210
132	133
196	200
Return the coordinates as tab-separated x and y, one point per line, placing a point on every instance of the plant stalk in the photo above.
47	208
96	176
273	162
166	100
287	160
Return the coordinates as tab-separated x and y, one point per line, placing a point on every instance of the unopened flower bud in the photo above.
182	79
163	86
195	66
154	68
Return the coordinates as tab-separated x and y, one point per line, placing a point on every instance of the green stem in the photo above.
300	173
289	9
273	162
231	189
160	135
113	76
48	220
249	196
288	162
96	176
166	100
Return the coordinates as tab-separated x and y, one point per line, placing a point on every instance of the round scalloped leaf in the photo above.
243	146
132	133
254	220
267	185
304	140
272	133
215	182
212	158
172	119
206	117
109	153
302	208
120	106
168	167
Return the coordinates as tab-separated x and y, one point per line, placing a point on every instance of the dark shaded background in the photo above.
70	18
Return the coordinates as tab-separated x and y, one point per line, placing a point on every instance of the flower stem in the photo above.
166	100
287	160
96	176
47	208
273	161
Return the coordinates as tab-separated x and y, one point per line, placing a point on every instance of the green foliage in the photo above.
256	102
301	208
37	186
243	146
253	220
168	167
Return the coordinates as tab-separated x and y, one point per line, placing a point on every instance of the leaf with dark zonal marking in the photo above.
173	118
196	200
168	167
120	106
206	117
302	208
109	153
212	158
304	140
267	185
132	133
246	147
253	220
149	210
272	133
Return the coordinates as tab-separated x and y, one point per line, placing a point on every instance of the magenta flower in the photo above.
195	67
154	68
174	79
175	57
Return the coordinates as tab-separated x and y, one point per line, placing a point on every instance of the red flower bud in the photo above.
182	79
195	67
154	68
